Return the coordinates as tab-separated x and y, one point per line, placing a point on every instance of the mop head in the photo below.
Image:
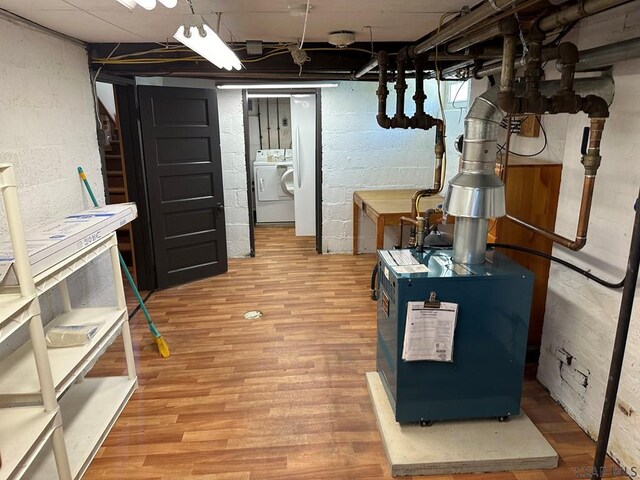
163	348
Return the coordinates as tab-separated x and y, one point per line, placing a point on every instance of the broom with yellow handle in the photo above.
163	348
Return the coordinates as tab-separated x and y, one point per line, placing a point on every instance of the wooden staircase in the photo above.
117	185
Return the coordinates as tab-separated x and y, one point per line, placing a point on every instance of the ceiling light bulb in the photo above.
200	38
147	4
169	3
130	4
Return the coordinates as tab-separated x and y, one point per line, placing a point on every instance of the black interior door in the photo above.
181	143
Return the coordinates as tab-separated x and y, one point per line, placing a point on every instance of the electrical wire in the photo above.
528	155
443	175
93	84
159	60
455	97
562	262
304	28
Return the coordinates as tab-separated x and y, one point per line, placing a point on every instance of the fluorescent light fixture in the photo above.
200	37
268	95
274	86
146	4
130	4
169	3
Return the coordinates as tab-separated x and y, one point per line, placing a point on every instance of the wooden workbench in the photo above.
385	207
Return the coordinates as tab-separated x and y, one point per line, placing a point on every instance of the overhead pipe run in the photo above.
460	24
564	100
591	59
476	193
419	120
546	24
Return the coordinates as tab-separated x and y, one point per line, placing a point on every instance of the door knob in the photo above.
220	207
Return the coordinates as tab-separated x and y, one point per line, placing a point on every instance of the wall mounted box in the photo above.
490	341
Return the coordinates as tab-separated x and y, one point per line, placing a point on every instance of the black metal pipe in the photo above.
278	118
268	125
374	278
382	92
259	121
622	331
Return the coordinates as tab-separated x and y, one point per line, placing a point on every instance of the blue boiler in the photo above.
490	340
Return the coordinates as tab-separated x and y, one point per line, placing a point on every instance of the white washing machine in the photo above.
273	177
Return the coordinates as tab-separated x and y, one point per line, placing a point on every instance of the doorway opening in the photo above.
283	160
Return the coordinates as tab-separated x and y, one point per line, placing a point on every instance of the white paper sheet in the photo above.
429	332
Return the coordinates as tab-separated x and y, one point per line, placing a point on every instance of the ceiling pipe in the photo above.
548	23
576	12
371	64
476	193
484	54
590	59
453	28
608	55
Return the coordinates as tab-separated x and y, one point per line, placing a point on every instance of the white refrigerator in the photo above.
303	130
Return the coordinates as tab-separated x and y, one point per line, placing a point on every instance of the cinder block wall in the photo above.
234	171
47	122
357	154
47	130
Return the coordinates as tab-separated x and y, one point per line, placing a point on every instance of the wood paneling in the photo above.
280	397
532	193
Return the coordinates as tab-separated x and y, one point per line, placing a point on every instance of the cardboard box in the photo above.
52	243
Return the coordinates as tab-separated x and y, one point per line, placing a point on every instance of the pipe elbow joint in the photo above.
383	120
507	101
568	54
595	107
508	26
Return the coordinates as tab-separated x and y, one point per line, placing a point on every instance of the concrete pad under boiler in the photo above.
471	446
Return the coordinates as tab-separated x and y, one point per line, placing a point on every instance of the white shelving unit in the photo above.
52	420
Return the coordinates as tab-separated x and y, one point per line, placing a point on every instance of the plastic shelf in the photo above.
14	312
23	433
50	277
89	411
18	378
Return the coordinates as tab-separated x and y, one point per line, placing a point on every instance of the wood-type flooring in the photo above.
279	397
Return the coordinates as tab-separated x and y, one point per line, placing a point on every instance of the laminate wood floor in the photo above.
282	396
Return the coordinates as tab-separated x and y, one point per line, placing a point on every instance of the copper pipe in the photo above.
583	220
410	220
591	163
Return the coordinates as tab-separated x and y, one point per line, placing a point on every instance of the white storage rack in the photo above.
43	395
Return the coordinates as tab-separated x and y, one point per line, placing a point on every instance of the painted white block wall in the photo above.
48	129
359	155
234	171
232	149
581	316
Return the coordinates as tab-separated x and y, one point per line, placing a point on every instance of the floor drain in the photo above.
252	314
